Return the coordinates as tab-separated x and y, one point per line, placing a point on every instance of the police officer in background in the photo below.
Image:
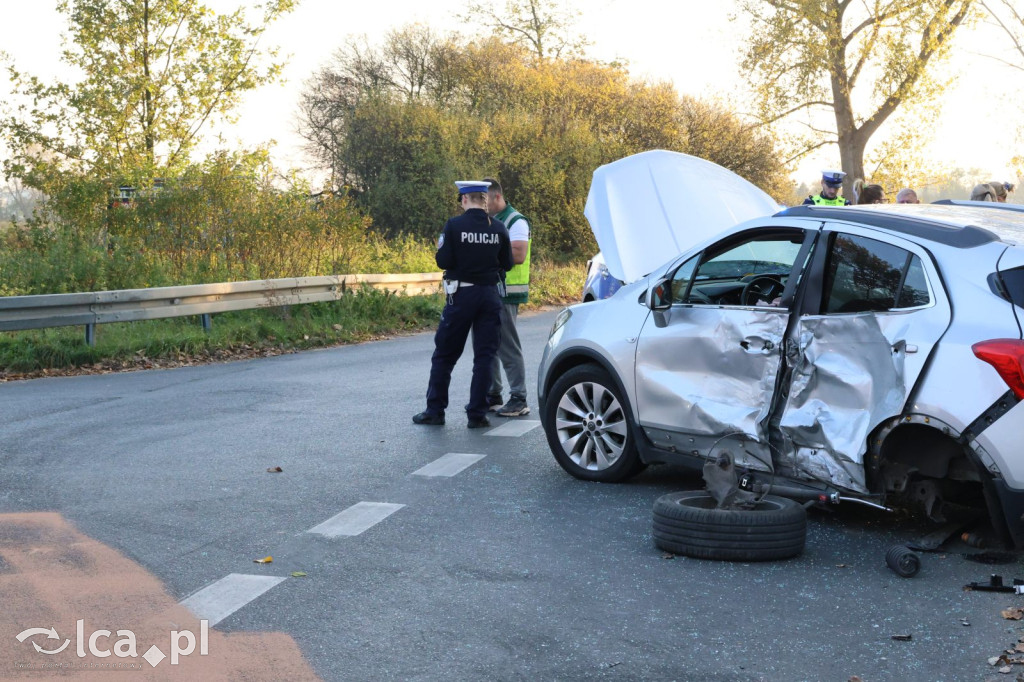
831	181
475	253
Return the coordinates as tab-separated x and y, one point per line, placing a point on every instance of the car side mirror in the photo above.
659	296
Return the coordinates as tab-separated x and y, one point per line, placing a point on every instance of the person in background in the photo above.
1000	189
517	291
907	196
831	181
868	194
983	192
475	253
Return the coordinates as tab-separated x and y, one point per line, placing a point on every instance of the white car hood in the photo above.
652	206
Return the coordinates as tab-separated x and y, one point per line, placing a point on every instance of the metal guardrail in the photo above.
130	305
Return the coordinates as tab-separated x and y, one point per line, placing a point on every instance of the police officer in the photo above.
831	181
475	253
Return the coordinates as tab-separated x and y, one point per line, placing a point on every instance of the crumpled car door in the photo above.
707	369
854	364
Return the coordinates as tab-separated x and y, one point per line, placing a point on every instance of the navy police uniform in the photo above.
475	252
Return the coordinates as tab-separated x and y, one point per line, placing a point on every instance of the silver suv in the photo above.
872	353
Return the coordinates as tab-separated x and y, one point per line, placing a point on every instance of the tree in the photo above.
545	30
1011	20
154	73
860	61
490	107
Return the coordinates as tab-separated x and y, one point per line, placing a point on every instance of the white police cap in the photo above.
833	177
467	186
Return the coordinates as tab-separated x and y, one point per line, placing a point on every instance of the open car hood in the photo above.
652	206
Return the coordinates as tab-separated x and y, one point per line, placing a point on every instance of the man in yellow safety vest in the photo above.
517	290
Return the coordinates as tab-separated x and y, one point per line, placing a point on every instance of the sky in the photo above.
691	43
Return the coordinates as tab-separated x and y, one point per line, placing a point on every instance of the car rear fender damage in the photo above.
918	461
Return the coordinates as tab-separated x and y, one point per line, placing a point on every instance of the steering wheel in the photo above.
761	288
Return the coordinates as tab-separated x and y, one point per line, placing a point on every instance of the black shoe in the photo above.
516	407
428	418
493	402
480	423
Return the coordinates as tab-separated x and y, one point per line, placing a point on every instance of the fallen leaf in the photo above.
855	678
1005	670
842	566
264	560
965	622
994	660
337	327
1014	613
902	638
274	470
1018	649
668	555
298	574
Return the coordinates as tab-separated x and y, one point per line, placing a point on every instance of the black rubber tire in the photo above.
688	523
903	561
627	463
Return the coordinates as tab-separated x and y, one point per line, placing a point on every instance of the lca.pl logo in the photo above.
125	646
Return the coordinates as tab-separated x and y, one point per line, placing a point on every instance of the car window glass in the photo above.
681	279
866	275
1013	285
722	279
915	286
756	257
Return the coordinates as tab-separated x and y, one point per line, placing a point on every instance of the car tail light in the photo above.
1007	356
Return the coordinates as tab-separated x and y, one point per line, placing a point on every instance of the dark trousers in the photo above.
477	308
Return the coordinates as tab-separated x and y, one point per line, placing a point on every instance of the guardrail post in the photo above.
207	320
90	334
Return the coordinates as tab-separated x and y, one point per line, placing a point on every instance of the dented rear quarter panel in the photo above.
956	386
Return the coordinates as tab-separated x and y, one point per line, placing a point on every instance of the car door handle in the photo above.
767	346
911	348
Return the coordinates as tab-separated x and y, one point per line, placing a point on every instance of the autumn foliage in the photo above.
397	123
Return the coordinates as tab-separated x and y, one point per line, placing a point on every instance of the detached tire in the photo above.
688	523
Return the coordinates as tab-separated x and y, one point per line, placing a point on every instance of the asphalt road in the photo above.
507	570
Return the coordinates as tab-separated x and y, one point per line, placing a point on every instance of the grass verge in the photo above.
362	315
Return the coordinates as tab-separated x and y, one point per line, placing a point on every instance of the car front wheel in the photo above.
587	425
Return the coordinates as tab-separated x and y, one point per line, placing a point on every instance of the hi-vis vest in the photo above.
822	201
517	280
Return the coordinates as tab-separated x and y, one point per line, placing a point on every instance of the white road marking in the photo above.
514	428
218	601
449	465
356	519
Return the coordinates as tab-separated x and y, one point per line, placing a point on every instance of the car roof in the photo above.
997	205
955	225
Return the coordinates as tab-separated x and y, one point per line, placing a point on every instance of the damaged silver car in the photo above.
869	353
